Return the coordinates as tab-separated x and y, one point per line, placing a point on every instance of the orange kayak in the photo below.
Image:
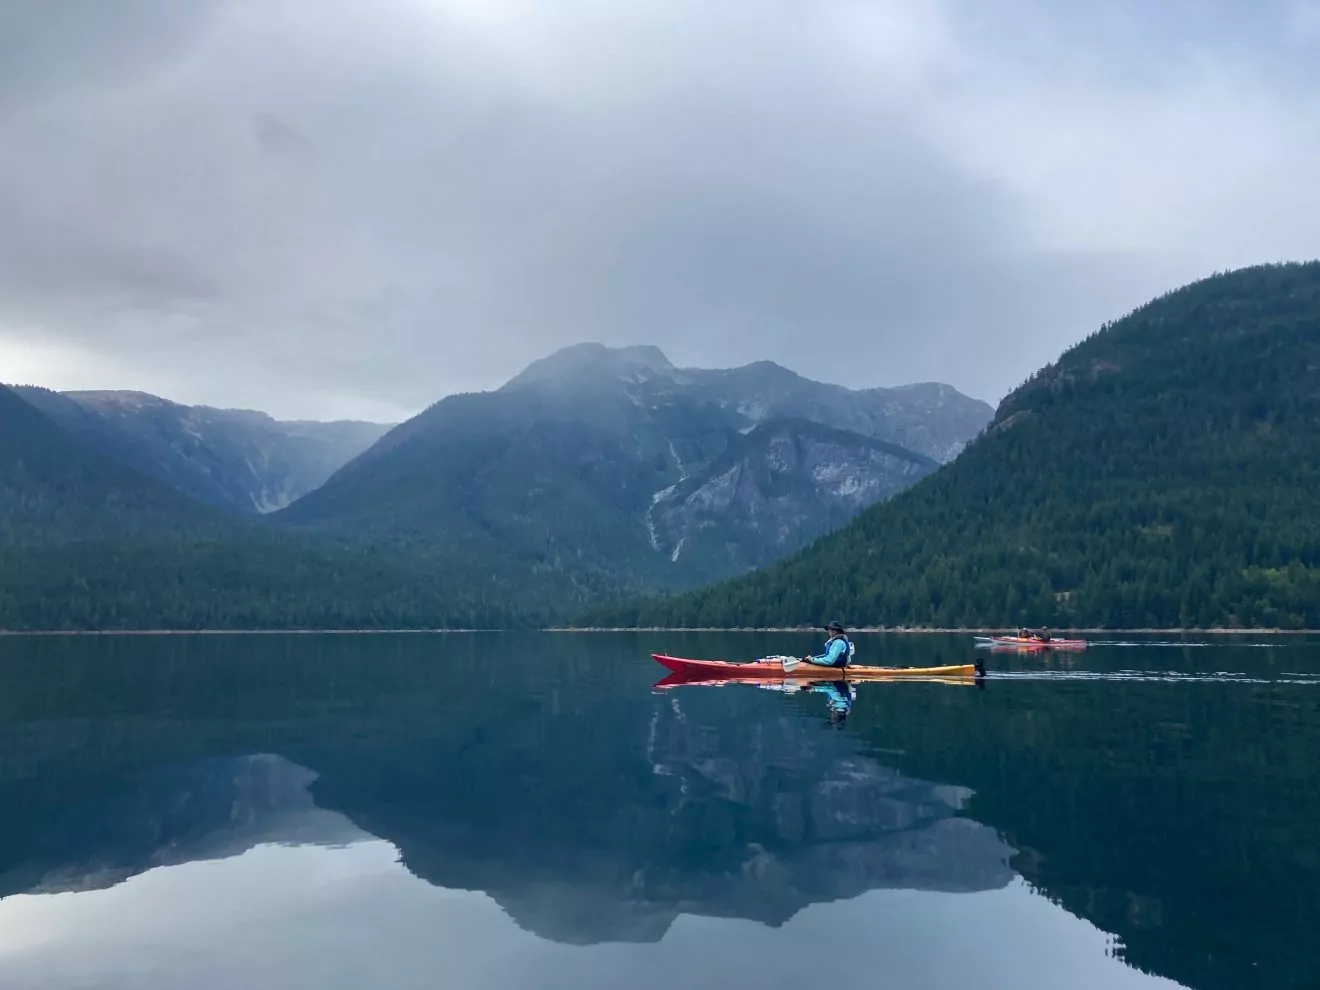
1028	643
772	668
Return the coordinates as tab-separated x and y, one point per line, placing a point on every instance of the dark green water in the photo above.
527	811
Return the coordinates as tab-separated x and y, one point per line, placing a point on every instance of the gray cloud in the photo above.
357	207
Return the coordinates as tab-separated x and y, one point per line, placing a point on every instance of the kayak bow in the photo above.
773	668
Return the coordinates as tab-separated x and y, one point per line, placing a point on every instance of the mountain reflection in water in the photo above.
595	811
749	824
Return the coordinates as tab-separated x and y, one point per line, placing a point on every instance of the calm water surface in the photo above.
501	811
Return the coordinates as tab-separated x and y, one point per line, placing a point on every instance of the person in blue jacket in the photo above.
838	649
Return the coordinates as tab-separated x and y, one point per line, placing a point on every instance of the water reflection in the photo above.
387	814
839	697
97	835
581	840
307	917
209	875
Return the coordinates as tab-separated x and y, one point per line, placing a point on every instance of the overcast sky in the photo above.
354	207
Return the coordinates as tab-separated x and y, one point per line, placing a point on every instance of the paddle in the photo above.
790	662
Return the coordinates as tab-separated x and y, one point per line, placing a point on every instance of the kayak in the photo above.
1035	644
772	667
787	681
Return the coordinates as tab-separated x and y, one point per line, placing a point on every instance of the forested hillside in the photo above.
54	489
1164	472
88	543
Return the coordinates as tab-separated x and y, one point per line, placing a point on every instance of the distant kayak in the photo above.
773	668
1036	644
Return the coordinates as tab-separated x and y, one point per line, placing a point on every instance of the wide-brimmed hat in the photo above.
833	626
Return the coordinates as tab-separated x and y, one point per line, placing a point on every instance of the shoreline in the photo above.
950	631
880	630
15	633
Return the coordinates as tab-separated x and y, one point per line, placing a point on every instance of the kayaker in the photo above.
838	649
1044	636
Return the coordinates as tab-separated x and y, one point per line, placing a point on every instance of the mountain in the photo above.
597	472
54	489
89	543
930	419
1162	473
229	458
582	362
606	470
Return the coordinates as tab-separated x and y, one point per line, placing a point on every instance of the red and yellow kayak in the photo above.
785	680
704	670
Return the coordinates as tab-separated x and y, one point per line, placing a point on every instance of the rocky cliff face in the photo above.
776	488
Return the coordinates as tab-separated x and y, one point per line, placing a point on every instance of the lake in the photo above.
526	810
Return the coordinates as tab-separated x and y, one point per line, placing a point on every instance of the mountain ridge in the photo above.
489	509
1160	474
573	464
50	479
238	459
